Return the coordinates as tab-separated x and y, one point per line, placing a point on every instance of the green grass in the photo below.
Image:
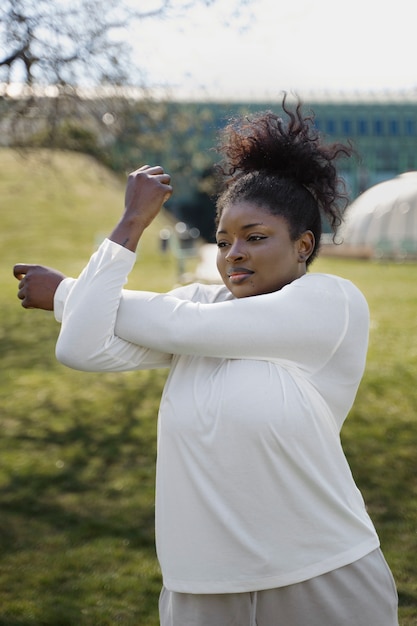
77	450
380	436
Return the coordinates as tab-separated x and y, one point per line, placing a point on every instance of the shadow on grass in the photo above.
77	501
380	440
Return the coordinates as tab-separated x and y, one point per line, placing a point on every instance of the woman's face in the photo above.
255	252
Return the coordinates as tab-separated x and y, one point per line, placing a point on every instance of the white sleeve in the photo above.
61	296
304	322
300	323
87	308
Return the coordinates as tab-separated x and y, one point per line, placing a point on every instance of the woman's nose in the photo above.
235	252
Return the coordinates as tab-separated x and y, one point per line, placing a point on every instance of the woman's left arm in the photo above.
87	340
304	322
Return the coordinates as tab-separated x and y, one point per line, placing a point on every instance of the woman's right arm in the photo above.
87	340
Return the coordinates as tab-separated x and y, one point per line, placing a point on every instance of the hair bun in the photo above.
289	149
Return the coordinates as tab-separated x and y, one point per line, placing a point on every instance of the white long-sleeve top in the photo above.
253	489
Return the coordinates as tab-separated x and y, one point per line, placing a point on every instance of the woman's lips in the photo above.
239	274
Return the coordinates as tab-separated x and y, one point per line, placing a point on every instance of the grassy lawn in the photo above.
77	450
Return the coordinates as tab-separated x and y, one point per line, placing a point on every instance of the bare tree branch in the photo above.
57	48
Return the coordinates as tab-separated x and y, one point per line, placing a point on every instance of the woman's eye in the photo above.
256	237
221	244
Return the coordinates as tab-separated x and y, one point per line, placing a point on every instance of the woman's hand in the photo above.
146	191
37	285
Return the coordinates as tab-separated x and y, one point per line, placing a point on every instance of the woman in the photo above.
258	519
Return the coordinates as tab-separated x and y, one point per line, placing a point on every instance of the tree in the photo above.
64	43
64	55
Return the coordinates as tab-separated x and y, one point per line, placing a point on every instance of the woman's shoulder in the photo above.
333	286
203	293
320	279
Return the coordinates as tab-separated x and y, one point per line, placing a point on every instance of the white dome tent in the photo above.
383	219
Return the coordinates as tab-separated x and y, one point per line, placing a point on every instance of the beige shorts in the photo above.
360	594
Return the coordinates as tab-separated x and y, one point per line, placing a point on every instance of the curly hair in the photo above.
285	168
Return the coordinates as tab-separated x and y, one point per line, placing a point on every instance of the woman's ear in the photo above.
306	245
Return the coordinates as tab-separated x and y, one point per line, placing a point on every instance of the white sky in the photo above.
276	45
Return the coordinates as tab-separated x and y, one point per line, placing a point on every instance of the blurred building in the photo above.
382	128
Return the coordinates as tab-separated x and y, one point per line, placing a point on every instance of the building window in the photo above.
330	127
410	127
347	127
362	127
393	127
378	127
